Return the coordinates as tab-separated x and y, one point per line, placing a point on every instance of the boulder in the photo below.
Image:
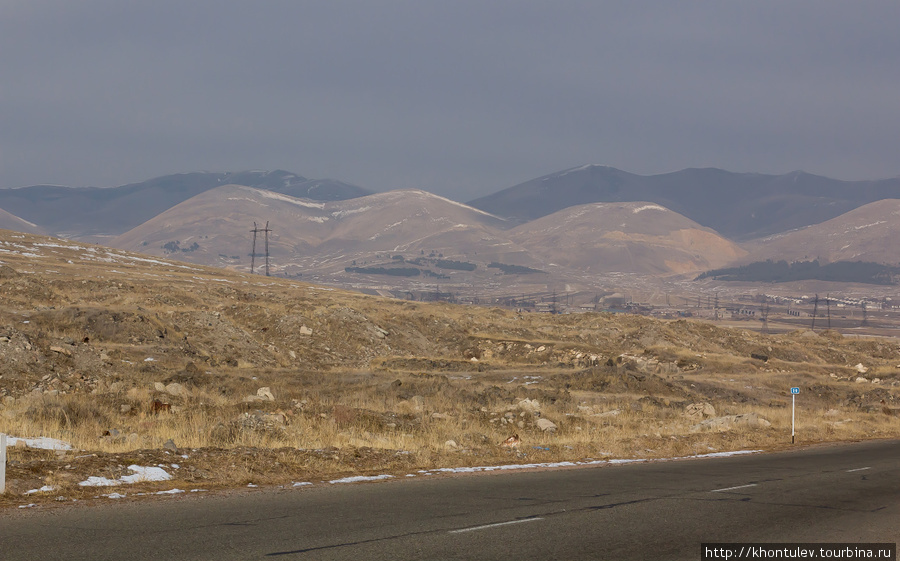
265	393
546	425
529	405
175	389
699	411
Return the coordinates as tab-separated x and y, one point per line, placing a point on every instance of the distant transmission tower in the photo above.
765	316
255	231
865	318
253	251
815	311
828	308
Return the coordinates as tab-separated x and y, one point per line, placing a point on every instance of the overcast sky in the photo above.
461	98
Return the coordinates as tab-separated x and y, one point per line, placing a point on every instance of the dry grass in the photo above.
363	385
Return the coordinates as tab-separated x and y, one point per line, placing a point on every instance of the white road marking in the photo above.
473	528
857	469
731	488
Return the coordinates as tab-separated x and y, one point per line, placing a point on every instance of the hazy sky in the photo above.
459	97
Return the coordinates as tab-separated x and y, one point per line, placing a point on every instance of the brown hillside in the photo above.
868	233
258	380
12	222
317	236
634	237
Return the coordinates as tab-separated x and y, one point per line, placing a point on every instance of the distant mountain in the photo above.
400	228
323	236
868	233
12	222
740	206
633	237
81	212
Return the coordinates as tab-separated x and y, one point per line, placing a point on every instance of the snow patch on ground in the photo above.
42	443
44	489
361	478
510	467
141	474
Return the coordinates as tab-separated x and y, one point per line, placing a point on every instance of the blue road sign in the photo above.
795	390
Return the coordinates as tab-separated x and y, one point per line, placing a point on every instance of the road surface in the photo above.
659	510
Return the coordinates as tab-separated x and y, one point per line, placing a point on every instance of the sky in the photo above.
461	98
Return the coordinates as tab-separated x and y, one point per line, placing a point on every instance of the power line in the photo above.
255	231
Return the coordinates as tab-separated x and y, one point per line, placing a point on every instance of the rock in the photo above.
860	368
418	402
636	406
159	386
175	389
439	416
170	445
61	350
546	425
728	422
451	444
611	413
292	354
832	413
699	411
265	393
274	418
125	408
860	380
529	405
112	434
305	330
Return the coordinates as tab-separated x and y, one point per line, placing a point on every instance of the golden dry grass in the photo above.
367	385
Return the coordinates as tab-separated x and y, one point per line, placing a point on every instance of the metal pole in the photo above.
2	463
793	401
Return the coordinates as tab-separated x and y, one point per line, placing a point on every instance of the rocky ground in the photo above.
247	380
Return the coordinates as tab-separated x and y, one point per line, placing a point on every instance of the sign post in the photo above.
2	463
794	392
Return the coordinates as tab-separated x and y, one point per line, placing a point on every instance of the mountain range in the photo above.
586	220
740	206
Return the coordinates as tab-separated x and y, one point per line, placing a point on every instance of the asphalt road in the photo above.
661	510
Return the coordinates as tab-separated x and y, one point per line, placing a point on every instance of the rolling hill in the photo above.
10	221
740	206
401	226
323	236
95	213
632	237
868	233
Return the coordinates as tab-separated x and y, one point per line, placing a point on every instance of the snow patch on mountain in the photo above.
649	207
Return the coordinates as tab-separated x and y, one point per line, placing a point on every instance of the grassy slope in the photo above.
367	385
